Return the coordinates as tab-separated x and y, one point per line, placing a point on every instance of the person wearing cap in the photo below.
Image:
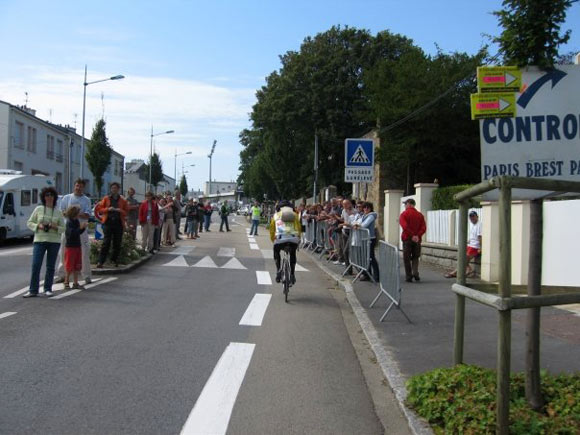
413	224
473	245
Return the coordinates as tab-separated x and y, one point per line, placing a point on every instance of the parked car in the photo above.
243	211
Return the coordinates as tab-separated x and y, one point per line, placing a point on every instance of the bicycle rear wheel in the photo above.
286	279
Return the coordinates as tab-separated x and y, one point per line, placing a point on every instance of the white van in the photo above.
19	195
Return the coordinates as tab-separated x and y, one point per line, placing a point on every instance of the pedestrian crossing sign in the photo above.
359	162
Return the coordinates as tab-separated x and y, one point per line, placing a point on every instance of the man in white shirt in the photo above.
79	199
473	245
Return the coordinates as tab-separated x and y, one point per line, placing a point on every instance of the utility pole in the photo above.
315	167
210	155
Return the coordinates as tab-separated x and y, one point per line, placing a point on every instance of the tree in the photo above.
156	170
98	153
183	185
531	31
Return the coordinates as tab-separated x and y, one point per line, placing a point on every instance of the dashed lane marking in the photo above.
255	312
213	409
299	268
254	246
16	252
263	277
7	314
88	286
267	253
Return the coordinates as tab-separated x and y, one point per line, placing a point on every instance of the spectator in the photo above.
161	203
73	259
78	198
168	233
368	221
112	211
473	245
149	220
347	218
413	224
192	223
200	215
47	224
224	213
132	213
177	206
255	211
207	216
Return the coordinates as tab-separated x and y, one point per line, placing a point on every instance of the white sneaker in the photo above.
48	294
336	262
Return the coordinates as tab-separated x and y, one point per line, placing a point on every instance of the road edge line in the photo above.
386	361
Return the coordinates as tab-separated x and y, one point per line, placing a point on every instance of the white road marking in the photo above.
254	246
263	277
182	250
299	268
205	262
234	263
177	262
226	252
7	314
251	240
571	308
55	287
16	251
213	409
88	286
255	312
267	253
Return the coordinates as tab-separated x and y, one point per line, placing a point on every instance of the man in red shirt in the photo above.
413	224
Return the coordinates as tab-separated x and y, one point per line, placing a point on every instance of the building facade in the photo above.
34	146
219	187
136	175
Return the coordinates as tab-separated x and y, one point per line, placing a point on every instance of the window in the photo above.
9	205
25	197
59	150
35	196
31	144
49	147
18	166
19	135
58	182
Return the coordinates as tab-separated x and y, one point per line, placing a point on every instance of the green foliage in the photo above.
462	400
531	31
130	251
156	169
443	198
98	153
183	185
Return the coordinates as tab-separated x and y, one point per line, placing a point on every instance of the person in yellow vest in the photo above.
285	231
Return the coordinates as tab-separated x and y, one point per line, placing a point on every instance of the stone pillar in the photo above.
520	241
392	210
490	242
423	195
452	225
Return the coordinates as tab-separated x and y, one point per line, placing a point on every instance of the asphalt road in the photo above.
194	341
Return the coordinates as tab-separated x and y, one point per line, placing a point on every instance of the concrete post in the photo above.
520	242
452	223
423	195
392	210
490	242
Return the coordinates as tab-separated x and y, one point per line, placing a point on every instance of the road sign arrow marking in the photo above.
509	78
503	104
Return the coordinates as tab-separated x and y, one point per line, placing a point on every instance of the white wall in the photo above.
561	243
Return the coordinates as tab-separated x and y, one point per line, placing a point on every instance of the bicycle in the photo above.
286	272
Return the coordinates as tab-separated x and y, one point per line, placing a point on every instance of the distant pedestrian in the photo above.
78	198
73	259
192	224
207	216
473	245
255	211
149	220
47	224
132	213
413	224
224	213
112	211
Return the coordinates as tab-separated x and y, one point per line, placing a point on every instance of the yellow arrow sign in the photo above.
493	106
498	79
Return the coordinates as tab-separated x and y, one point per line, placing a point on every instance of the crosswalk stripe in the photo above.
88	286
254	246
226	252
7	314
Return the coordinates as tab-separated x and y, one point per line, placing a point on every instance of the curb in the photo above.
124	269
385	359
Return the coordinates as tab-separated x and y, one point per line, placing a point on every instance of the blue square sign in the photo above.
359	161
359	153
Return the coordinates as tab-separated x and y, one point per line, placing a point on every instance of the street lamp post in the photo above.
85	84
151	149
175	163
210	155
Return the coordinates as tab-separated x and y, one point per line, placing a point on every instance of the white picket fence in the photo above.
443	226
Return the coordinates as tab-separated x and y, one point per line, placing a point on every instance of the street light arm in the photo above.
118	77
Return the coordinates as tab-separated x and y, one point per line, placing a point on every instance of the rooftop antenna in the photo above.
26	99
103	105
75	115
50	115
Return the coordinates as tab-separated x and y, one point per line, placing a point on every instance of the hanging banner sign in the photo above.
498	79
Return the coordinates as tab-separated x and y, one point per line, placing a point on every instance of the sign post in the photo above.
359	156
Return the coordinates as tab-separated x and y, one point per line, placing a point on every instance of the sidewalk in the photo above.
404	349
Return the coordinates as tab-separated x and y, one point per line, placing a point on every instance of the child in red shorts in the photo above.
73	260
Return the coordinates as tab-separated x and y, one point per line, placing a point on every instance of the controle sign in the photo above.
543	140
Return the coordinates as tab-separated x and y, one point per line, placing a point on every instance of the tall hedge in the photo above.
443	198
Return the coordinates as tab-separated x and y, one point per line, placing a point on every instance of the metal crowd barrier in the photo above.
309	234
360	252
390	278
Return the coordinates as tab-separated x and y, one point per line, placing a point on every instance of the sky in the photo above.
194	66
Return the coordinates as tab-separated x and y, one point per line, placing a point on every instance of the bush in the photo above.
443	198
462	400
130	251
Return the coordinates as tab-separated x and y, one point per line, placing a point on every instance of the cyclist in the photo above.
285	232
